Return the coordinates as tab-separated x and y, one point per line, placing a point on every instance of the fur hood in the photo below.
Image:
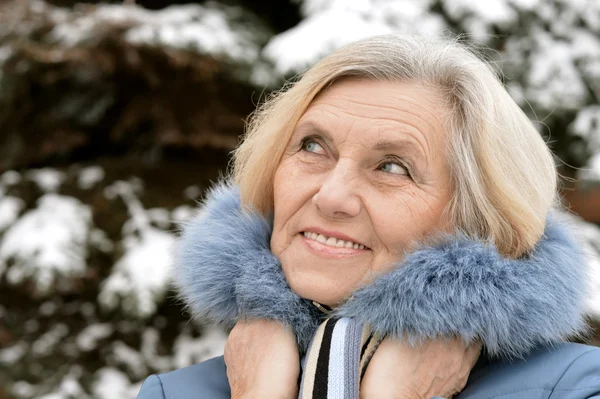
225	271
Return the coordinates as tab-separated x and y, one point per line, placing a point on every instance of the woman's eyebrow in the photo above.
313	127
407	147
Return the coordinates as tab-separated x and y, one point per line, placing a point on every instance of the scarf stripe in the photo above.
351	351
365	342
336	359
337	368
369	351
322	374
308	376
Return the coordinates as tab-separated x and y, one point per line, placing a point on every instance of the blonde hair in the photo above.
504	177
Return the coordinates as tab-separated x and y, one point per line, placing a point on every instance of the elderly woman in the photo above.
388	234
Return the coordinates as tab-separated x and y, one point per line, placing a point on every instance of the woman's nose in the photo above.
337	197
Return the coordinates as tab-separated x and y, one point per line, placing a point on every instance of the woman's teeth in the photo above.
332	241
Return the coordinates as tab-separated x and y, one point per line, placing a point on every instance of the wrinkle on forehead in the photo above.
433	101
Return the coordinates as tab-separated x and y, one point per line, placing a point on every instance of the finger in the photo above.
454	345
470	358
473	352
457	347
469	347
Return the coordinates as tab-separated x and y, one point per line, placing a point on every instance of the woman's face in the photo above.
363	176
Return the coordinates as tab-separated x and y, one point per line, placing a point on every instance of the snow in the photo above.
490	12
46	344
331	24
160	217
47	179
10	178
586	10
140	277
5	53
135	185
150	343
553	80
587	126
189	350
112	383
89	176
48	308
10	208
560	59
525	5
136	361
23	389
206	29
591	171
591	14
47	241
13	354
182	213
368	8
69	386
130	358
100	240
586	44
88	338
316	37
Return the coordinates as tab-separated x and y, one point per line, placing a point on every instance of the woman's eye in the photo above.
313	146
394	167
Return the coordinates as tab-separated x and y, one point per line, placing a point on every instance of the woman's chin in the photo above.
325	277
326	291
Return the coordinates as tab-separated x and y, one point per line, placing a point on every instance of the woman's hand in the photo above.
435	368
262	360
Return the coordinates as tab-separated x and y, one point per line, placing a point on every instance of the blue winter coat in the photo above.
569	371
522	310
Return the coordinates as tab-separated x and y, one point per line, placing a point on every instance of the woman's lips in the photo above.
329	251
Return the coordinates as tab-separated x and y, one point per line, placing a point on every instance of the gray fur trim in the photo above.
459	287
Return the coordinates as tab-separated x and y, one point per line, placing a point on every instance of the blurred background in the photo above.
115	117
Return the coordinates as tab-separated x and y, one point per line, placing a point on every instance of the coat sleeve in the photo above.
581	379
151	389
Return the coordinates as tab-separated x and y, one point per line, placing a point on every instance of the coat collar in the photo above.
225	271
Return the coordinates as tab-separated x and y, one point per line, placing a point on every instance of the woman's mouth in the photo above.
332	241
331	246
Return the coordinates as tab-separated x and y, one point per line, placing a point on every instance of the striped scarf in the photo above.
337	359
